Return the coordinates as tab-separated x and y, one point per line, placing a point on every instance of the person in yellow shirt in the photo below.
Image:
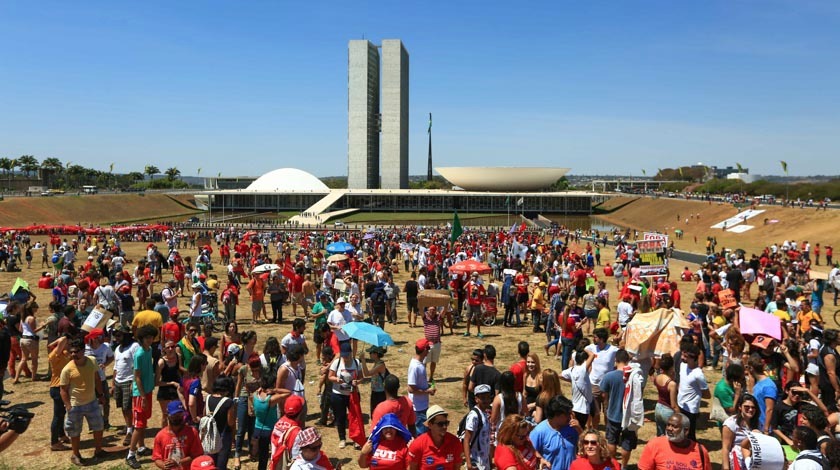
806	315
150	316
604	317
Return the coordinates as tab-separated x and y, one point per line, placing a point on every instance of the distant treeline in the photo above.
803	191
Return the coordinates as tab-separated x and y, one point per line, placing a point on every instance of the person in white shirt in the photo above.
809	458
339	317
625	311
578	375
603	362
124	375
693	387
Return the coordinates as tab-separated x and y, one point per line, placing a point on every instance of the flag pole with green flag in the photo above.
457	230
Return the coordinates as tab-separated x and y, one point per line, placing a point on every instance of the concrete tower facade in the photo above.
394	101
363	115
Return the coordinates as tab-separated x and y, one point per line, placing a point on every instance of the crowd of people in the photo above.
121	334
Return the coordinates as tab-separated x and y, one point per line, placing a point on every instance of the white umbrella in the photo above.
264	268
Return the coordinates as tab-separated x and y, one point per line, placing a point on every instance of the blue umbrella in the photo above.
340	247
368	333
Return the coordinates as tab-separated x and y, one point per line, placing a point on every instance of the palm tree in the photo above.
172	174
28	164
51	167
7	165
151	170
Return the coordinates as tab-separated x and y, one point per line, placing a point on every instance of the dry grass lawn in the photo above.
33	449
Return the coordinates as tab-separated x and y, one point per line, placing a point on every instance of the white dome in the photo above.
288	179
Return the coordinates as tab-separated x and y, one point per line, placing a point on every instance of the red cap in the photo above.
94	333
423	343
173	311
205	462
293	405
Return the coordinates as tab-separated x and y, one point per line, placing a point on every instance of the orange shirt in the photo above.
659	454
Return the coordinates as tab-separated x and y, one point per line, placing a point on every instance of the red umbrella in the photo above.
469	266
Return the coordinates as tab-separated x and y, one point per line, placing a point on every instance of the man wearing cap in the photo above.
436	448
205	462
418	385
478	421
82	394
339	317
284	437
475	293
195	302
95	347
177	444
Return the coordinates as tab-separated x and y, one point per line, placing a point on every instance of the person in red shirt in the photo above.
394	404
674	449
387	448
435	449
514	450
177	444
519	367
172	330
593	453
475	293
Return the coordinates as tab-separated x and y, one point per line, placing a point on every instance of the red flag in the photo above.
355	425
288	269
523	227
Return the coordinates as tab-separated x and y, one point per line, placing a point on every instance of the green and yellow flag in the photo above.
784	166
740	168
681	172
457	230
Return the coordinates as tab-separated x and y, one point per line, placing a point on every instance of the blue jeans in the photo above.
221	459
420	422
244	423
662	415
263	437
568	347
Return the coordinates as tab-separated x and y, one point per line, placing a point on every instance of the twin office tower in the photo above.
377	102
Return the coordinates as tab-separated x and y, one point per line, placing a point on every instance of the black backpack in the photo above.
819	459
462	427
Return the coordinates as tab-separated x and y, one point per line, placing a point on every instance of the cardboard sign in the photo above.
727	298
653	271
96	319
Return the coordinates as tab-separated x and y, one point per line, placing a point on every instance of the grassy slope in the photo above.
661	214
98	209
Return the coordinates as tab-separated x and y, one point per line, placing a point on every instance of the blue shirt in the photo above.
558	447
613	384
764	388
143	363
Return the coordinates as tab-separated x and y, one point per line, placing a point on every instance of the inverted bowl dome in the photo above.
288	179
501	178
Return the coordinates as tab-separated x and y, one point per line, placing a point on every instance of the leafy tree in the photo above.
135	176
28	164
173	173
53	164
151	170
7	165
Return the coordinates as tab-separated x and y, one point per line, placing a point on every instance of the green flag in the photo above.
681	171
456	228
644	172
740	168
21	284
784	166
111	168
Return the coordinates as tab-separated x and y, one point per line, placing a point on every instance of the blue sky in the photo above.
600	87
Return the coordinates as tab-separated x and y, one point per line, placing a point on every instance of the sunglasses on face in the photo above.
442	424
588	442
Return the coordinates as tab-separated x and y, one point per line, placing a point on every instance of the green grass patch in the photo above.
419	216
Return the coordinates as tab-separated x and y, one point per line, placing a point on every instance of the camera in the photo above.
18	418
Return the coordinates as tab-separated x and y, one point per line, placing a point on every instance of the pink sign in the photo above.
757	322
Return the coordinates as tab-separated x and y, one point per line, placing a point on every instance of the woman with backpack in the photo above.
222	409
